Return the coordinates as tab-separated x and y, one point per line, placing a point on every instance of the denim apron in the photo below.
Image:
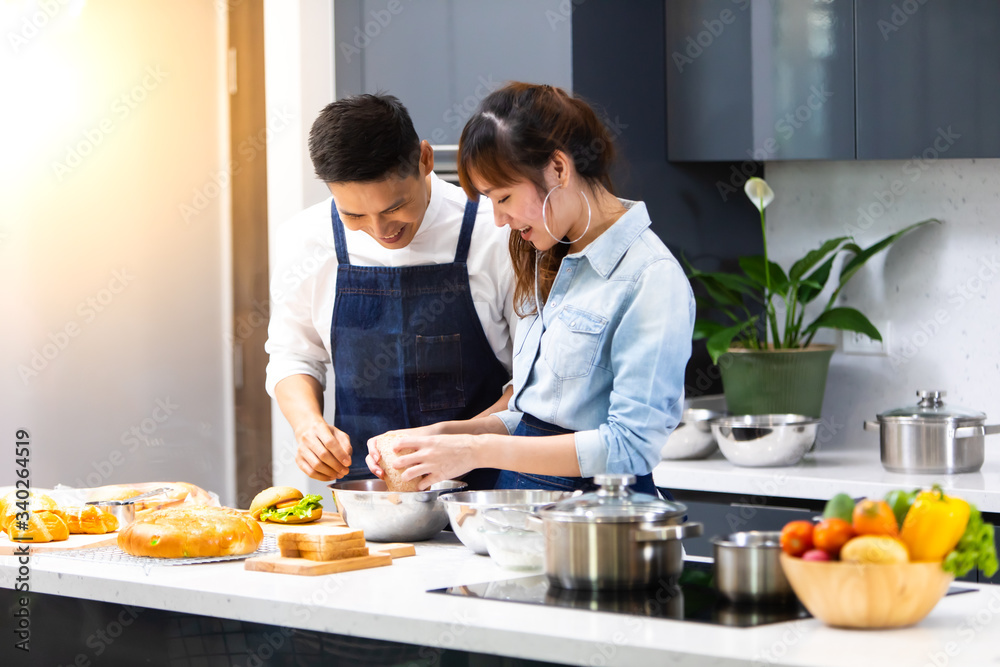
408	347
521	480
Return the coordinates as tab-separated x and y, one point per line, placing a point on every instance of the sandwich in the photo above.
286	504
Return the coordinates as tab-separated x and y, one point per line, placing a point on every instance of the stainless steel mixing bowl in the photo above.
465	510
388	516
765	440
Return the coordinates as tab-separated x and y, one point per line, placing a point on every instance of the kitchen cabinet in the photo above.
928	79
833	79
761	80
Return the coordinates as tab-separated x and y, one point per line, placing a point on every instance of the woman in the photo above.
608	313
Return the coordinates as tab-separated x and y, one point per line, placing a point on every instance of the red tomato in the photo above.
797	537
831	535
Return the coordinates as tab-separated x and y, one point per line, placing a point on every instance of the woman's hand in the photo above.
324	451
374	458
436	458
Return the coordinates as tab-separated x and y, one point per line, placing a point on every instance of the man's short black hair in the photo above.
364	138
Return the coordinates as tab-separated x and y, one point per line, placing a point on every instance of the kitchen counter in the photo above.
823	473
391	603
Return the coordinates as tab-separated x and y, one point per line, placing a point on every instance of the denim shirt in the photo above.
609	362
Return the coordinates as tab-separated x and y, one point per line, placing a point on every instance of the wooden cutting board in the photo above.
9	548
310	568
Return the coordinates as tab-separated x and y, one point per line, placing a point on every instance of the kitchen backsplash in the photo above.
938	288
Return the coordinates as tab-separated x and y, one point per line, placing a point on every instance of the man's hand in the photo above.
324	451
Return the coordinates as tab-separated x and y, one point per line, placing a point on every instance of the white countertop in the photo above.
823	473
391	603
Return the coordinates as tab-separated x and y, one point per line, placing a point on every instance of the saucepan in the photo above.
613	538
931	438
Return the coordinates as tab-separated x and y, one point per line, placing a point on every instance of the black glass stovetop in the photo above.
691	598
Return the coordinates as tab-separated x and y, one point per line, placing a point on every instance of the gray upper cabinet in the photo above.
442	57
761	80
928	79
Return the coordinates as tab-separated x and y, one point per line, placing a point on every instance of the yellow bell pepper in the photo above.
934	525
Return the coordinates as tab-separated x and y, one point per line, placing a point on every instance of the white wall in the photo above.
939	288
299	82
113	242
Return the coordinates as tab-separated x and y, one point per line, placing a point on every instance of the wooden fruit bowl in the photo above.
855	595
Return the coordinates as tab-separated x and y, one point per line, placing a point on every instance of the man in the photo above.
398	282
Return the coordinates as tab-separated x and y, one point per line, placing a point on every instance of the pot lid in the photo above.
613	502
931	407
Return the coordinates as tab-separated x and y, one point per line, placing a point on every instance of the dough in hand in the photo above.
393	476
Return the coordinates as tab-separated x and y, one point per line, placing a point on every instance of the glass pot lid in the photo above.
931	407
613	502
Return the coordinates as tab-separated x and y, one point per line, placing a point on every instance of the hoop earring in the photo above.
545	222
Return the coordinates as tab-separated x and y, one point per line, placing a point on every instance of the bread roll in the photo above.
42	527
191	532
36	502
89	520
394	476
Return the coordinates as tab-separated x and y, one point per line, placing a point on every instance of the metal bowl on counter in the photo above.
765	440
509	541
693	438
389	516
748	567
465	510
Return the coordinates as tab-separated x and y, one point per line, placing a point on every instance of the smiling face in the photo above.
390	210
519	205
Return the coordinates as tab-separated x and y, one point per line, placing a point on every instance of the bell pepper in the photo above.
900	501
934	525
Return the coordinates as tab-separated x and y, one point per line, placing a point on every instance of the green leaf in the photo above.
720	341
814	257
705	329
813	284
753	267
718	291
845	319
855	263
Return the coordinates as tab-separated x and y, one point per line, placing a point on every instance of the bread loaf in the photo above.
41	527
89	520
36	502
191	532
393	476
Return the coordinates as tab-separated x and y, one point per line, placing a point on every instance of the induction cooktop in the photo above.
692	598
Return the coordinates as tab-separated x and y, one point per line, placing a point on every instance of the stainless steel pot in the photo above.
389	516
613	538
931	438
748	567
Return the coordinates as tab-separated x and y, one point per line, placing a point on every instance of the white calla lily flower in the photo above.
759	192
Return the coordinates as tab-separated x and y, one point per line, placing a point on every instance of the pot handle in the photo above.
973	431
662	533
871	426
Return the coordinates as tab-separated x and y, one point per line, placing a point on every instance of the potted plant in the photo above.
763	343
